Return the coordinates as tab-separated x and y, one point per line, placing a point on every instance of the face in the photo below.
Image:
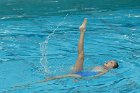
110	64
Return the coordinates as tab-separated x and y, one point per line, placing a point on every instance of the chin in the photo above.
105	65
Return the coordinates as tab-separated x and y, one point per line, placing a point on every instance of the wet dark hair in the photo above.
116	65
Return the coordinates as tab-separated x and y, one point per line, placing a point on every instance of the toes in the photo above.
83	26
85	21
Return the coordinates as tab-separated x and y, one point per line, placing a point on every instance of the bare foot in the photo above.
83	26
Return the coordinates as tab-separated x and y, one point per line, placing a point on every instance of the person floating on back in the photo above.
78	71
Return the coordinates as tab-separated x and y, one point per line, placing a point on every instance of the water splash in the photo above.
43	47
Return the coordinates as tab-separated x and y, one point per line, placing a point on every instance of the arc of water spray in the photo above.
43	47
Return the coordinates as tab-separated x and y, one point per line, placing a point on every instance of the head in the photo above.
111	64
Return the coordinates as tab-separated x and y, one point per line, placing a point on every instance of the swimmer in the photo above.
77	71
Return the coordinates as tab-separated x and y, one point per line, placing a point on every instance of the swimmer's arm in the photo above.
61	77
46	80
56	77
100	74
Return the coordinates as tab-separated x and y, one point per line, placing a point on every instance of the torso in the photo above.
95	71
100	69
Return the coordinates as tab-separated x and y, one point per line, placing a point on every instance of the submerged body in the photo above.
95	72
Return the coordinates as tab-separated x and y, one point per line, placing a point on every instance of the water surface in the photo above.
112	33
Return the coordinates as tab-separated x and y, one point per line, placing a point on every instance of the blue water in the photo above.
38	39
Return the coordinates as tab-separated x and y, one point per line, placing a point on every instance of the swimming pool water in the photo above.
47	31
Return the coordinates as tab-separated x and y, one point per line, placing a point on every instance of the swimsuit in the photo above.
87	73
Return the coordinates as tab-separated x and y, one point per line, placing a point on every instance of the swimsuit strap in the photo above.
87	73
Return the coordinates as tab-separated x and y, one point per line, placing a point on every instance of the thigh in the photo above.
79	64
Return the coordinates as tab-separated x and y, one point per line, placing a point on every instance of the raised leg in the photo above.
80	60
